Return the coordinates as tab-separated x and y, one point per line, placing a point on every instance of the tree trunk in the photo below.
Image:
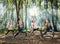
26	15
46	5
56	9
54	25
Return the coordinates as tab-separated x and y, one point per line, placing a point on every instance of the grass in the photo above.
6	29
14	29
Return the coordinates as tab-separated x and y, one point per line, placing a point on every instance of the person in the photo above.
19	24
10	27
34	26
48	26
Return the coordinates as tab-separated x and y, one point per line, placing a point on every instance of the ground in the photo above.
33	39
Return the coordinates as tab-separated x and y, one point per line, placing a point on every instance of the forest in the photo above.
12	9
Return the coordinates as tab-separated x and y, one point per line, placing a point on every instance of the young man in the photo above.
10	28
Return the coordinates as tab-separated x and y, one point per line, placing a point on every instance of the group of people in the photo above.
19	25
33	25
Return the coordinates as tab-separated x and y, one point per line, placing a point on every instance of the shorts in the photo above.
35	29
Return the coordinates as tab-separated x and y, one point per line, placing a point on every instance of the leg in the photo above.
12	32
41	33
45	32
53	33
40	30
31	32
16	33
7	32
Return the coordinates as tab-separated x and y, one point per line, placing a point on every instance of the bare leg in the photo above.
16	34
41	33
31	32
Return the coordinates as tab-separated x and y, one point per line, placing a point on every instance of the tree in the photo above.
18	4
54	3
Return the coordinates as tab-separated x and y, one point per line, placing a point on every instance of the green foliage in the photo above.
10	5
1	1
19	4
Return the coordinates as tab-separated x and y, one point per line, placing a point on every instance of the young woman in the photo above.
34	26
19	24
10	28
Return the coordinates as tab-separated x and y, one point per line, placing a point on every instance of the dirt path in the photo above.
35	39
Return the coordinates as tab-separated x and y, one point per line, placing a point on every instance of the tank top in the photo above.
34	25
9	26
